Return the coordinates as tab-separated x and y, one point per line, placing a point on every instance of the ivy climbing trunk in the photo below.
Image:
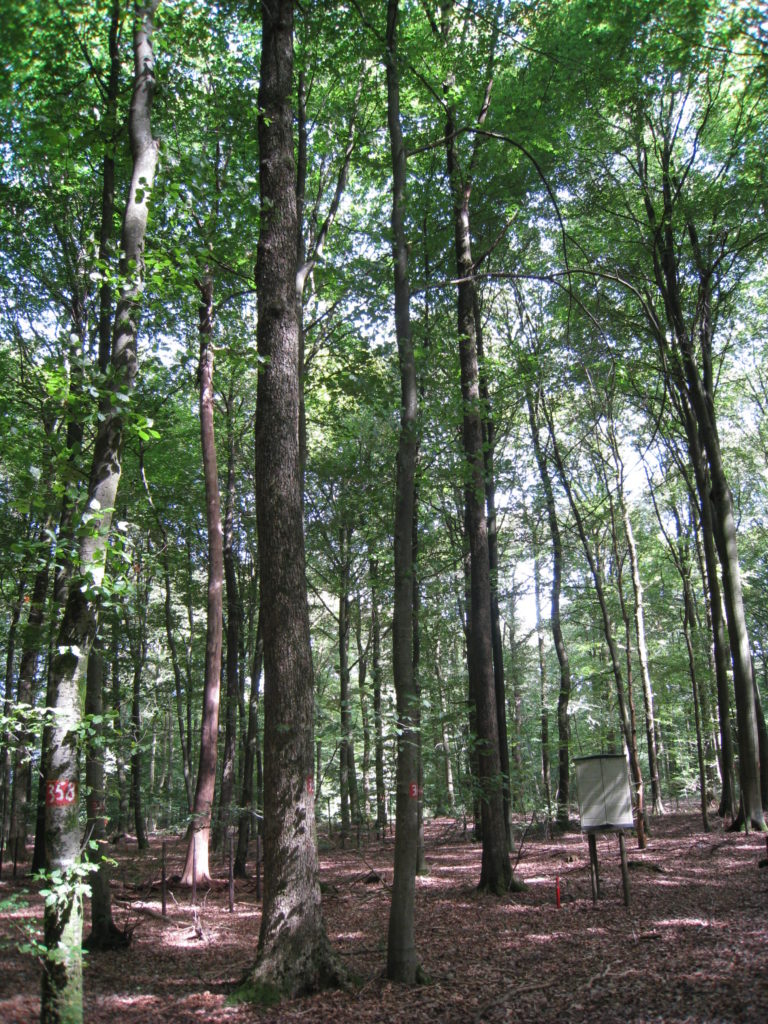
63	920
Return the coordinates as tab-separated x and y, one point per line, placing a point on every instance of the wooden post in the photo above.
593	869
164	882
624	869
231	873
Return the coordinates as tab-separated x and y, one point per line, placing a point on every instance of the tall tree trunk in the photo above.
137	790
170	632
63	924
543	707
234	632
378	722
104	932
496	870
489	444
564	694
362	690
8	741
715	611
197	864
642	647
402	959
121	824
244	826
33	639
597	579
346	749
686	353
294	954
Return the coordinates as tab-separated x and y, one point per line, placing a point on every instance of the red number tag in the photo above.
413	791
60	792
310	785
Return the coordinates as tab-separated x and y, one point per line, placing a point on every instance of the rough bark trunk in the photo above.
496	870
63	923
402	959
714	601
197	865
489	444
294	954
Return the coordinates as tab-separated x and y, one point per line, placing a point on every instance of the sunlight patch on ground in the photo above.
685	922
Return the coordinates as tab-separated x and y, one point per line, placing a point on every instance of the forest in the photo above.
384	428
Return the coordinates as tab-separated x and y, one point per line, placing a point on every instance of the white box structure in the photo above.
605	799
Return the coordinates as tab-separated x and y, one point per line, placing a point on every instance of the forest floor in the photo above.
692	947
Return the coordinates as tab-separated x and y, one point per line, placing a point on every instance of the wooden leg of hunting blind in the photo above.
593	871
624	869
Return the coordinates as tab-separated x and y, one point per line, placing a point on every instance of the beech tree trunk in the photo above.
564	694
234	632
597	579
378	724
686	350
63	919
32	640
197	865
294	955
104	932
402	959
642	647
245	823
496	870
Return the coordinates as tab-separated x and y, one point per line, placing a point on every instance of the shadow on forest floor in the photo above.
691	949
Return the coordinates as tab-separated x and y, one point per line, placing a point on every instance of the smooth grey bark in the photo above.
234	638
104	932
63	921
686	350
347	775
138	647
196	866
639	617
714	604
402	958
598	581
250	754
32	635
294	955
8	742
378	722
564	693
546	777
